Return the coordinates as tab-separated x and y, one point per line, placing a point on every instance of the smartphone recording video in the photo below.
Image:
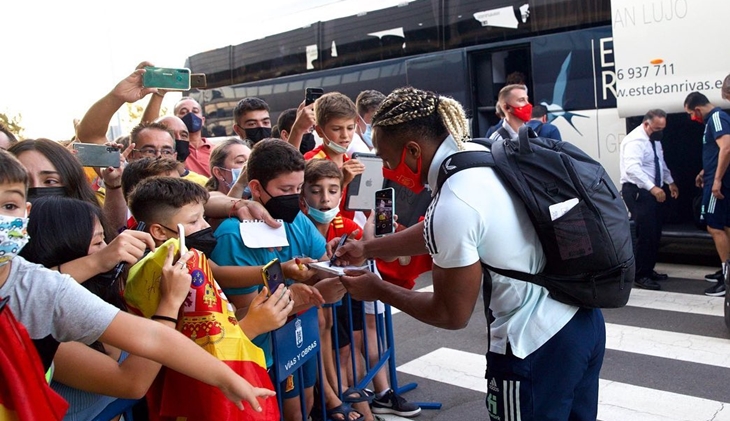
384	212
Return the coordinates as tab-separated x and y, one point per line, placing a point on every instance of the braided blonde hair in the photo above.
406	105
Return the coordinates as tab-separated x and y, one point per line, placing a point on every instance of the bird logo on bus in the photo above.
555	110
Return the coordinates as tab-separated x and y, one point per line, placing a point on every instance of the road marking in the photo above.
660	300
672	345
673	301
617	401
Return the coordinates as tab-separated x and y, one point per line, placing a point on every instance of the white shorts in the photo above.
371	306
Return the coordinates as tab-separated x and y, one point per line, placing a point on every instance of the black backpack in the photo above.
589	255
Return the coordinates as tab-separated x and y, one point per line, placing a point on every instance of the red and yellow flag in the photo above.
24	392
208	319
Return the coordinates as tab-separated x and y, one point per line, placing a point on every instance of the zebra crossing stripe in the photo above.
616	402
672	345
660	300
678	302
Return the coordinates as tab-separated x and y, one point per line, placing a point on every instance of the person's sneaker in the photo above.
658	276
647	283
717	290
714	277
391	403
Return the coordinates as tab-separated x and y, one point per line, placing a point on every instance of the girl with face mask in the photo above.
227	164
92	377
228	172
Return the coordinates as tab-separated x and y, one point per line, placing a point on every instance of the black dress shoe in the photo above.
659	276
647	283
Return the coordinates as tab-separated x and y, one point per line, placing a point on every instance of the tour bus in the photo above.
597	65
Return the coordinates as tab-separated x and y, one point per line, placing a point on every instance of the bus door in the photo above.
489	72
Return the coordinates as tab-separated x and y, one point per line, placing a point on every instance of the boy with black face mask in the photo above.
276	174
164	202
252	120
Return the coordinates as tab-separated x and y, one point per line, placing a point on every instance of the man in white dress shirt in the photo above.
643	175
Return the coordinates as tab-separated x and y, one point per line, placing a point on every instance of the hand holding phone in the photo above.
273	275
166	78
384	212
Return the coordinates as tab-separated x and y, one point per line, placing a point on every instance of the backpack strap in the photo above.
538	128
504	133
462	161
514	274
484	141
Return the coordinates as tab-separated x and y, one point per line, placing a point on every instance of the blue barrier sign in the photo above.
296	342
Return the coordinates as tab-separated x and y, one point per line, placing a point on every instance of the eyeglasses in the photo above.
151	152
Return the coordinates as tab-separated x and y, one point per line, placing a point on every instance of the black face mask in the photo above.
203	241
257	134
284	207
36	192
182	147
657	136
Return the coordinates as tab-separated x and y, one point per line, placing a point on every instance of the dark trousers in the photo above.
647	215
557	382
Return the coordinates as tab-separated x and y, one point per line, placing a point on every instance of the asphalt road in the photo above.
667	357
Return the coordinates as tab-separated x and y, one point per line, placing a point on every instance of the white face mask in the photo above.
13	237
367	135
334	147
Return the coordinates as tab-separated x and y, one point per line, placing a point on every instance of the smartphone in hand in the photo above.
273	275
166	78
93	155
384	212
311	95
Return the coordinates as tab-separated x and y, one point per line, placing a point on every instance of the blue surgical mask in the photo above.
235	173
367	135
193	123
323	217
334	147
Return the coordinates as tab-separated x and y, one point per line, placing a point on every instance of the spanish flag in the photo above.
24	392
207	318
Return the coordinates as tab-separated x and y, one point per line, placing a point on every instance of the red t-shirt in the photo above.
393	272
319	153
341	226
405	275
199	159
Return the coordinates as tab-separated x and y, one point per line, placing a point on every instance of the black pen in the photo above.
343	239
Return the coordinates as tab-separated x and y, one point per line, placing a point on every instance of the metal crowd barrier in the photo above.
298	335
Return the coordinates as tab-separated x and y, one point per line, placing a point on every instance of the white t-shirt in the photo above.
474	218
50	303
